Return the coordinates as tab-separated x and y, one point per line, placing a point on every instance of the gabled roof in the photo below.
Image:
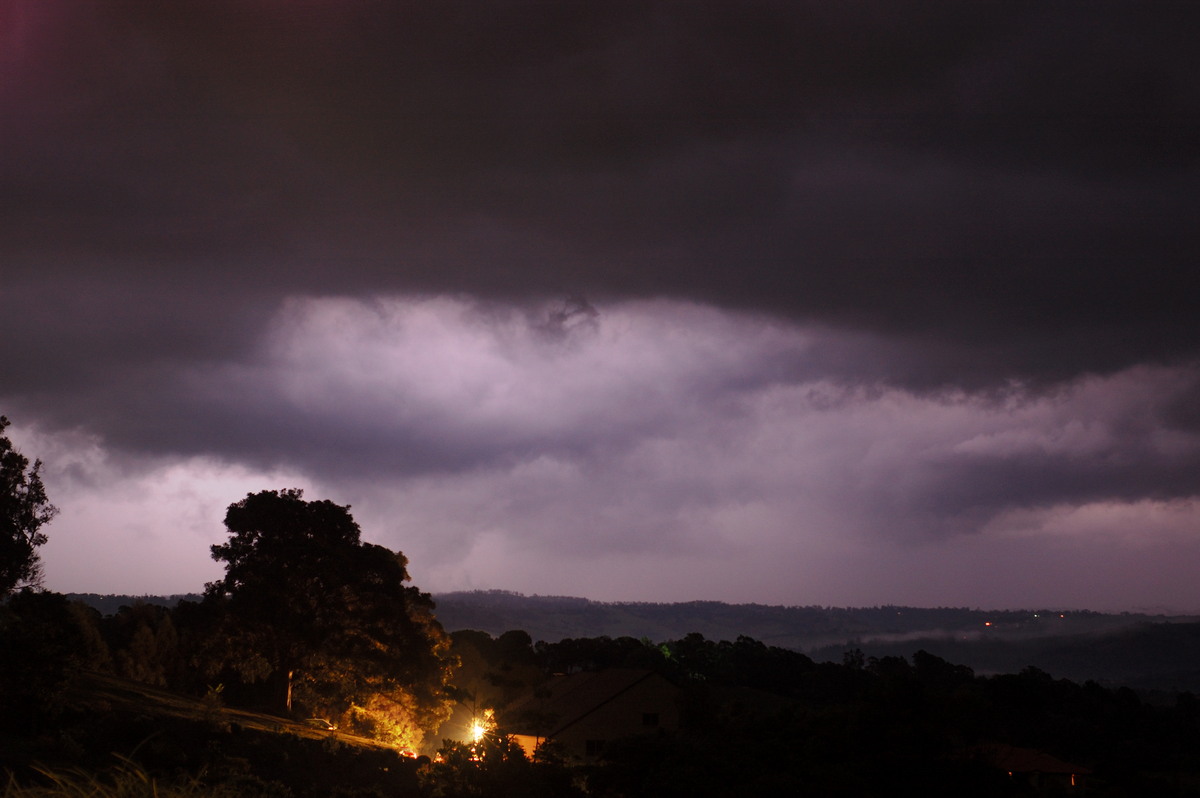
563	701
1026	760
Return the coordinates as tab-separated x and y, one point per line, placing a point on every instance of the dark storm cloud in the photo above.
1010	186
699	409
963	491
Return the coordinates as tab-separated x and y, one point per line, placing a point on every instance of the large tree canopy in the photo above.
328	617
24	509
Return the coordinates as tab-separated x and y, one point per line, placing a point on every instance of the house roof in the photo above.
563	701
1027	760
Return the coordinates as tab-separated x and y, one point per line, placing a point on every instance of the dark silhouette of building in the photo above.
583	712
1034	769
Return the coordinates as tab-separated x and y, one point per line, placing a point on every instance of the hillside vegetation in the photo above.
1152	652
1149	652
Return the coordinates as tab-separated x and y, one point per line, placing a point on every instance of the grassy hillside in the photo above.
112	694
118	737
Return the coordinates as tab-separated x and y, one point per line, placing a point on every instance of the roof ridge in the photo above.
644	675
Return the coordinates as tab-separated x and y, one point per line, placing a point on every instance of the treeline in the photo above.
1147	652
765	720
801	628
1149	657
49	640
1122	649
111	603
756	719
62	737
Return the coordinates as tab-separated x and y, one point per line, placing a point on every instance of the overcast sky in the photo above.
785	302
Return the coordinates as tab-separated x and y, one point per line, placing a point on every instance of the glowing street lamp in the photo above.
480	726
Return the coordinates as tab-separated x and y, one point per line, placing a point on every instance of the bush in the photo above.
41	650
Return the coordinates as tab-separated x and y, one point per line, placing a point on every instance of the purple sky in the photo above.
787	302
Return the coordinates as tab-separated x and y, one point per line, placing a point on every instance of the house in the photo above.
1033	769
582	712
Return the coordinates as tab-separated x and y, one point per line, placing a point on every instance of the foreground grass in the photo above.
126	781
103	692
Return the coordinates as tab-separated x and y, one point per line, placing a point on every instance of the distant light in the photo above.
987	623
477	731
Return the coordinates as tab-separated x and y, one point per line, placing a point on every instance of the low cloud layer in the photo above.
502	445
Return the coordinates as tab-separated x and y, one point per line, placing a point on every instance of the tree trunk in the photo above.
288	702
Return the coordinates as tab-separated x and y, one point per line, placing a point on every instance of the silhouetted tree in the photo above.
41	650
24	510
496	767
145	644
491	673
328	618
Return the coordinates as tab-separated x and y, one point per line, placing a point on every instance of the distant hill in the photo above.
1162	656
808	629
554	618
1153	652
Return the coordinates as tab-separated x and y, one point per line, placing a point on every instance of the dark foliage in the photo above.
145	645
492	672
42	647
258	763
111	604
757	720
307	607
769	721
24	510
495	767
